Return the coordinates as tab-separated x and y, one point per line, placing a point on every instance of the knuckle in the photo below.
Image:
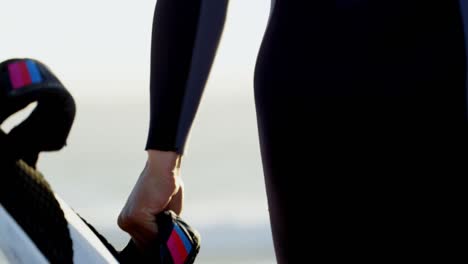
127	221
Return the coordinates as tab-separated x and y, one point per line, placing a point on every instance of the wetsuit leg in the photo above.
347	100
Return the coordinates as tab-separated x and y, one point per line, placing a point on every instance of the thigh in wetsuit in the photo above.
351	97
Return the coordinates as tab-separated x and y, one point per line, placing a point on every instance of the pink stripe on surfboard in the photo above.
15	75
25	76
176	248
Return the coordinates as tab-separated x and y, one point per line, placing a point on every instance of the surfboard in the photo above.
15	244
17	247
26	194
36	225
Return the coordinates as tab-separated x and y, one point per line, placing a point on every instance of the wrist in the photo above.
166	160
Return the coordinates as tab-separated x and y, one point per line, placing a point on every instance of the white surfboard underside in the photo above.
16	246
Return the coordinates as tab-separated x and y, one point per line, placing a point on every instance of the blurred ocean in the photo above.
225	195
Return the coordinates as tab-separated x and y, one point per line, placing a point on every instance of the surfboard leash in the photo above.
27	197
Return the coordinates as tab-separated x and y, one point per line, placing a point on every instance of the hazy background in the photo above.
100	50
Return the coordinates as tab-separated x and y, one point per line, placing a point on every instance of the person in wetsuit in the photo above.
350	95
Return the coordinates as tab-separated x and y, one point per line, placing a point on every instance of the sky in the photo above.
92	40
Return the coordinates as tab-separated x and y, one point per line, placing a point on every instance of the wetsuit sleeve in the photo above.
185	38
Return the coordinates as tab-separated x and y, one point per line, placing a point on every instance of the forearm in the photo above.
184	42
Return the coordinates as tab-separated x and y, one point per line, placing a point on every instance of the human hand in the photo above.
158	188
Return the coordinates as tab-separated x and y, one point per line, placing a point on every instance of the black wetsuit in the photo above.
358	102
